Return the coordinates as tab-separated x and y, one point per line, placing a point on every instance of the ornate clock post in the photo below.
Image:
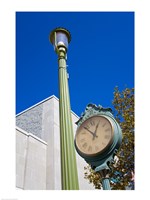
98	137
60	38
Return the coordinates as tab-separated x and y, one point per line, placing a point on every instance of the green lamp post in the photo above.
60	39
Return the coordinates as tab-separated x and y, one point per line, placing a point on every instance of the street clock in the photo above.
98	135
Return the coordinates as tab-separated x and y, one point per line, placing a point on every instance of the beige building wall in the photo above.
30	161
42	149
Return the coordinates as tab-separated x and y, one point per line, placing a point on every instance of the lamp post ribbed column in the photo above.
60	38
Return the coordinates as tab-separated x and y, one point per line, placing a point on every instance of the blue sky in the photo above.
100	56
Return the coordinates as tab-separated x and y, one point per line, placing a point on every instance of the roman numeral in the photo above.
108	129
90	148
96	148
92	123
103	143
107	136
84	145
82	140
103	124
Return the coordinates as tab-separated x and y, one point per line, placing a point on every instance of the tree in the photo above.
122	170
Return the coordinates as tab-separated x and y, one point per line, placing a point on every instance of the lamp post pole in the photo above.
60	38
104	173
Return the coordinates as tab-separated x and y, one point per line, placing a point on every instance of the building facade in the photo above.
38	164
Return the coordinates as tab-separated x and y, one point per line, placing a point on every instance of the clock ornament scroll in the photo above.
98	138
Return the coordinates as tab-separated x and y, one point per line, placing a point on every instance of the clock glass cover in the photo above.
94	135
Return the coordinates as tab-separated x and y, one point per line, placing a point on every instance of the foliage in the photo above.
122	173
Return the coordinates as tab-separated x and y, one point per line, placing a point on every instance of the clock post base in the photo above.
104	173
106	184
105	179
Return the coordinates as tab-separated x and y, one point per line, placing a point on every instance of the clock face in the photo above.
94	135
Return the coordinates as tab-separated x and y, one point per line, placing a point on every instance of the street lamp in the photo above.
60	39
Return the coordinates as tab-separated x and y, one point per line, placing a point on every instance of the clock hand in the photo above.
89	131
96	130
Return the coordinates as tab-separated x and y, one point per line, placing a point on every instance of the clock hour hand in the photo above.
96	129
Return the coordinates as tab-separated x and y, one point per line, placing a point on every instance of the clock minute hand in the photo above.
89	131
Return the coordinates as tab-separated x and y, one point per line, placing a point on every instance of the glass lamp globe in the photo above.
60	37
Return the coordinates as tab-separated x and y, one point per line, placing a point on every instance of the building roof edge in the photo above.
52	96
